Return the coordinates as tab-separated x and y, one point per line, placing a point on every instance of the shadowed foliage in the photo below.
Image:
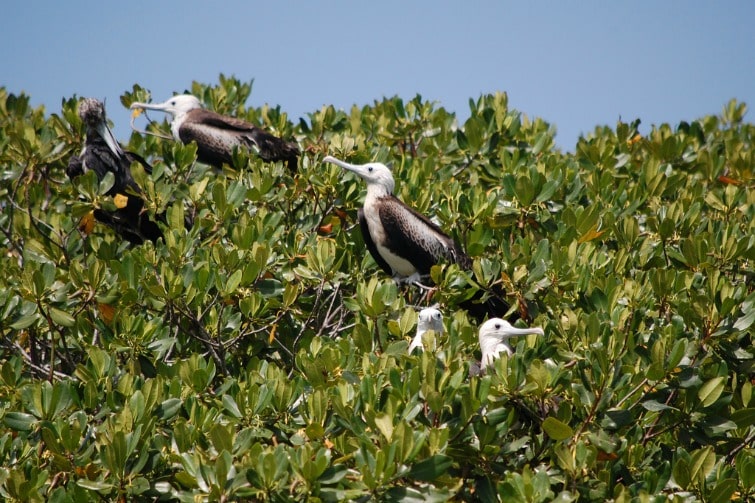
261	354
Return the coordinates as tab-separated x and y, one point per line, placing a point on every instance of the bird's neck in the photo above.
375	192
176	123
492	349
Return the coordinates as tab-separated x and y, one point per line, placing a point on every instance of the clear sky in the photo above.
575	64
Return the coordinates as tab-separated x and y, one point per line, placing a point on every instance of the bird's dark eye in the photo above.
369	168
436	316
173	103
497	326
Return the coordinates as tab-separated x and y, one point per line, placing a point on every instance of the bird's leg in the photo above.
415	279
406	280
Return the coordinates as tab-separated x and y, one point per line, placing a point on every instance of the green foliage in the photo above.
261	354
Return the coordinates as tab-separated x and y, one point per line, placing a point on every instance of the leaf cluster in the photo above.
261	355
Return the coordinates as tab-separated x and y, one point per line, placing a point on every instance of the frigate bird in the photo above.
494	335
217	135
406	244
103	154
429	319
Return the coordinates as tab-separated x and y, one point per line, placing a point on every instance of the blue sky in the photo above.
575	64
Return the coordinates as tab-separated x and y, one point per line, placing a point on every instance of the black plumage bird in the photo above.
103	154
217	135
406	244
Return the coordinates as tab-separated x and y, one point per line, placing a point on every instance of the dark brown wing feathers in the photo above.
216	149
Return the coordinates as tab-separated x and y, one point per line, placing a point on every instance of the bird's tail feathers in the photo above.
134	229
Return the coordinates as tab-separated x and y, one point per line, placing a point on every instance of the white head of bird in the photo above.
429	319
377	175
494	335
177	107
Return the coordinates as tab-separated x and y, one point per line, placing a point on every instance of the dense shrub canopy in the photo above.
261	353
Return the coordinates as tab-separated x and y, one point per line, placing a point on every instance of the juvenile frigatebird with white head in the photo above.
217	135
404	243
429	319
494	335
103	154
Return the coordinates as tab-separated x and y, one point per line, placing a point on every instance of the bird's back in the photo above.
217	135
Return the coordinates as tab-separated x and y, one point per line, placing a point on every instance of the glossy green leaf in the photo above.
431	468
556	429
19	421
711	390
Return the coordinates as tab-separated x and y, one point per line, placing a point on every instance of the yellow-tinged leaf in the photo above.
384	423
120	201
107	312
86	224
271	337
711	390
137	112
634	139
593	233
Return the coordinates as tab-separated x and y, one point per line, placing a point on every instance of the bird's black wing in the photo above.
216	120
75	167
371	244
134	157
98	157
273	149
132	225
416	238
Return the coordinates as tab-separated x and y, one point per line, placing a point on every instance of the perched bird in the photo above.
103	154
429	319
216	135
494	335
404	243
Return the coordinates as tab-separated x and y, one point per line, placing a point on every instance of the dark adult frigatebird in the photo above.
216	135
429	319
406	244
103	154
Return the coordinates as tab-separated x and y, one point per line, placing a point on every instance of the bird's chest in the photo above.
493	351
384	243
175	128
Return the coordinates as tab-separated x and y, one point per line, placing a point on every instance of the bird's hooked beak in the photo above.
110	140
354	168
161	107
515	332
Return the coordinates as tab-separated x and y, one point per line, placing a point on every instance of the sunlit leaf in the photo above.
120	201
711	390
